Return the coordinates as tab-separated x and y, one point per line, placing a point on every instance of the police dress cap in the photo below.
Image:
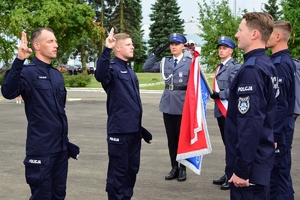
226	41
177	38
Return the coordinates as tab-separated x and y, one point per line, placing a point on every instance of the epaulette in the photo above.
297	63
295	60
168	57
277	60
234	62
250	62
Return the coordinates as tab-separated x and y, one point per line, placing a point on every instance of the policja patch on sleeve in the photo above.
244	104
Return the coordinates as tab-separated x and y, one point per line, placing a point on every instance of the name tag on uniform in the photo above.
42	77
124	72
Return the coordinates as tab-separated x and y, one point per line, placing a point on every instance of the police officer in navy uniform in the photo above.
42	89
281	181
224	76
124	110
175	71
249	140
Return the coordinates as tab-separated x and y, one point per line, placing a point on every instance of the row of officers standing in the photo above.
254	106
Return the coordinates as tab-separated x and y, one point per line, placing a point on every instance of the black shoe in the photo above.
220	181
173	173
225	186
182	174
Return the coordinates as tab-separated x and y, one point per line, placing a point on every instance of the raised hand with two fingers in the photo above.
110	40
23	51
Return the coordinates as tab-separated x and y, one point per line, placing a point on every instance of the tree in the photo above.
125	16
216	19
7	40
70	21
133	26
273	9
7	48
166	20
290	10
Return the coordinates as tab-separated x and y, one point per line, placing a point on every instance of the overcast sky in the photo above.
190	8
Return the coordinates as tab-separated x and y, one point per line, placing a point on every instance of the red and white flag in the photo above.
194	139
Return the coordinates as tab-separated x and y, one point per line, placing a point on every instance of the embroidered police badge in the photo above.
244	104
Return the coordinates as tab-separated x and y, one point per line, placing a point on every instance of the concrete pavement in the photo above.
86	112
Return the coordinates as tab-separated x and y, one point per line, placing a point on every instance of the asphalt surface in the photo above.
86	112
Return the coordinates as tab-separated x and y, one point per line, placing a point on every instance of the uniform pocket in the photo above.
34	169
116	146
124	76
61	95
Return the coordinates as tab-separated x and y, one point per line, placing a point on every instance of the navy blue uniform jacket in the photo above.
249	139
124	106
286	100
42	88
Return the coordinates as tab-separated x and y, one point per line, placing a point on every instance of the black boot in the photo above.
173	173
220	181
225	186
182	173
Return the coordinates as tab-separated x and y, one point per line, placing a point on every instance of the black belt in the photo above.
173	87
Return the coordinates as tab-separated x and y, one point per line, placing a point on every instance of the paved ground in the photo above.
87	127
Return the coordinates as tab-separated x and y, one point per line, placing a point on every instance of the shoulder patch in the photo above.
244	104
29	64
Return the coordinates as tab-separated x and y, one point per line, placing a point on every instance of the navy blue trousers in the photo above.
257	192
47	176
281	182
123	166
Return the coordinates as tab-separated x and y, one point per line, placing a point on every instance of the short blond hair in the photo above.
121	36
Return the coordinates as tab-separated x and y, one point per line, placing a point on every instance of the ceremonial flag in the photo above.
194	140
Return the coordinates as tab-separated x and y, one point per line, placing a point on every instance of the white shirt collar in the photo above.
225	61
178	58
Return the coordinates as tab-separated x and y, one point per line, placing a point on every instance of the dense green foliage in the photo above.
291	10
69	20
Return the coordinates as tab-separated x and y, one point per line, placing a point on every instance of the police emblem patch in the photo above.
244	104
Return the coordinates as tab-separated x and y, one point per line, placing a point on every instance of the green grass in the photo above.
144	78
152	79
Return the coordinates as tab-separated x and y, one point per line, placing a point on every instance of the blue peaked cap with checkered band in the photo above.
226	41
177	38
